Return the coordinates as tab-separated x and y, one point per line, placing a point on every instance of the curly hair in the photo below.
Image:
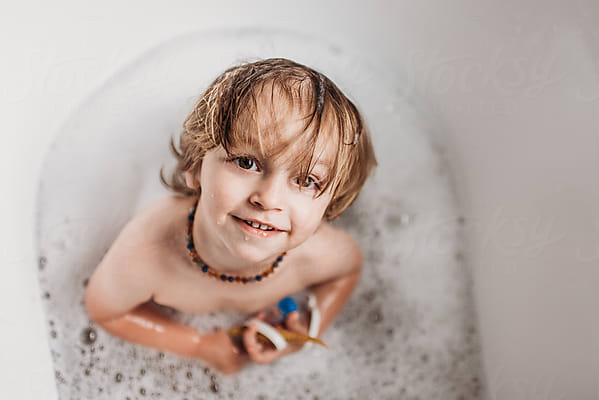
226	112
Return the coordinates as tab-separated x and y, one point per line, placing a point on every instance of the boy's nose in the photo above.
268	194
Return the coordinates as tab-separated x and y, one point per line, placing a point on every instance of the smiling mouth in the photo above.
256	225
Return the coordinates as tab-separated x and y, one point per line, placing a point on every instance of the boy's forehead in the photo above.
278	115
279	131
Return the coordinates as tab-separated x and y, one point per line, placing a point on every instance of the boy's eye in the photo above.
246	163
310	183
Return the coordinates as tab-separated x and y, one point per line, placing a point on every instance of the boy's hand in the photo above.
220	352
264	354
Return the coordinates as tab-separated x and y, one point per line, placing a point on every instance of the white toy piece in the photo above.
271	333
314	318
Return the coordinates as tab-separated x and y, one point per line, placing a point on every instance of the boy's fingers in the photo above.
265	356
255	349
249	339
272	314
260	315
293	322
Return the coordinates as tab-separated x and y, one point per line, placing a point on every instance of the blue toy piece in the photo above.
287	305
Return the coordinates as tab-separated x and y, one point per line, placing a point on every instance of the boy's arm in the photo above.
144	323
148	326
118	298
331	296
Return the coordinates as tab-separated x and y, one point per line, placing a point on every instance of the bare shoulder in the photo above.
131	271
161	207
147	229
331	253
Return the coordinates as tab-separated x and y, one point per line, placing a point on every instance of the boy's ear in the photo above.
192	180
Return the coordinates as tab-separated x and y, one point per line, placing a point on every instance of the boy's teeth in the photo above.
258	226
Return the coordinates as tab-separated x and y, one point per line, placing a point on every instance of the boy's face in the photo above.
245	189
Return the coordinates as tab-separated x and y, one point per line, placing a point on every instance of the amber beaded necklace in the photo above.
212	272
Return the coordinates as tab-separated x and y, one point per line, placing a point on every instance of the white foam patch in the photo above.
408	331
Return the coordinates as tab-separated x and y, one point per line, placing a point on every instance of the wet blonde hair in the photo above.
226	115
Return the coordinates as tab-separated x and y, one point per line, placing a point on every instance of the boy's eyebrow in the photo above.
322	166
322	169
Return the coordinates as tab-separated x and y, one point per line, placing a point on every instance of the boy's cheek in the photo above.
226	188
310	218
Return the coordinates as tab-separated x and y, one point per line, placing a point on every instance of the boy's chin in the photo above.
253	254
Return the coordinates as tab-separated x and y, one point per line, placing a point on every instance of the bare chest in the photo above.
190	290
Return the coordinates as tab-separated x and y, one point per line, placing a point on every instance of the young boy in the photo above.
271	152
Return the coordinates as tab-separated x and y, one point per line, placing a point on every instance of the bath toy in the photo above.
277	336
314	327
287	305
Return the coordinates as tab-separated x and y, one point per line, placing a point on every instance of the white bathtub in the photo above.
514	86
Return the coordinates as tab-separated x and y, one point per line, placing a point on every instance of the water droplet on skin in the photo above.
246	238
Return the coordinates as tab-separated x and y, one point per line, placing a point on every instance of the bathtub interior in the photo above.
409	327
